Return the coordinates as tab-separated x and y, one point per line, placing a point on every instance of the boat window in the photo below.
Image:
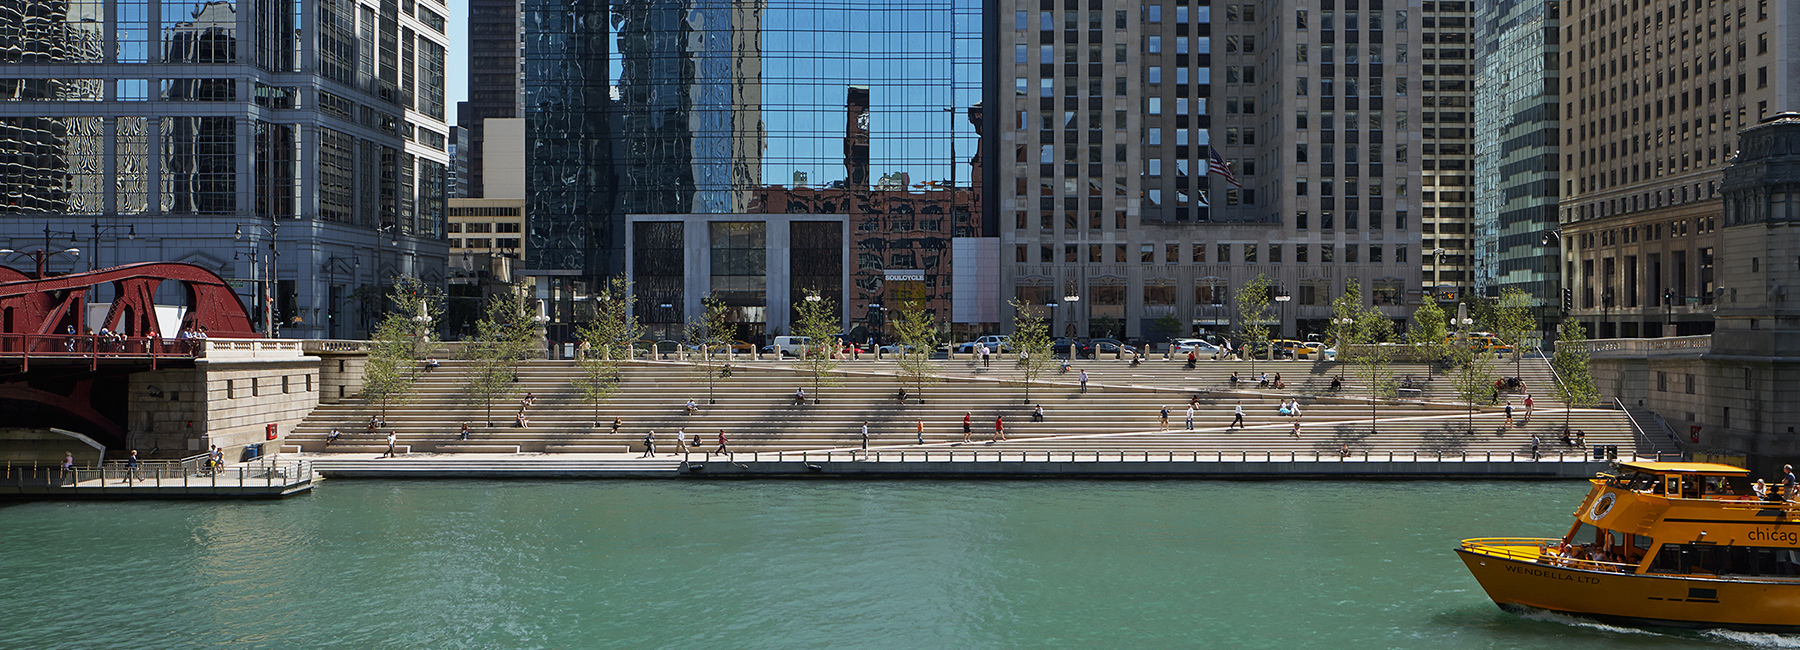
1715	559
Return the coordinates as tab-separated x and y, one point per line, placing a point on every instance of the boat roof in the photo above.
1685	468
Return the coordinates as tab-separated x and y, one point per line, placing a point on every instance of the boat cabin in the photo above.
1684	480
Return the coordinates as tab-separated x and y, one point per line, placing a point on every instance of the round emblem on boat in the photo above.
1603	506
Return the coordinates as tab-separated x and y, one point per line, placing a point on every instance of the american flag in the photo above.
1217	165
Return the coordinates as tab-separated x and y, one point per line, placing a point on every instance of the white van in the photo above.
791	346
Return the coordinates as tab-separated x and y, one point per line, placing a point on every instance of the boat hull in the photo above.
1517	584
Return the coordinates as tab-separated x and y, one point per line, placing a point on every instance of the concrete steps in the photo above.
484	465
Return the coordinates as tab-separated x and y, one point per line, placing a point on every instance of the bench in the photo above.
1409	392
290	449
479	449
587	449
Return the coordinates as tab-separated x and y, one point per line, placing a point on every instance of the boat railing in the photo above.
1544	551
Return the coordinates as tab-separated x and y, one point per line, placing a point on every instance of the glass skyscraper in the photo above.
742	141
208	127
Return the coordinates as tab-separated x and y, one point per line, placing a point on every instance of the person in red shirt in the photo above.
966	415
721	449
999	429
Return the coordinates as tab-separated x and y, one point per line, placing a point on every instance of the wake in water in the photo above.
1745	639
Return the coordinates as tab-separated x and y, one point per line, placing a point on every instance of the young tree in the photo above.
820	324
1474	376
1031	337
1253	316
1510	320
1427	332
1344	311
1571	363
1373	363
708	336
1104	327
606	342
918	332
401	337
504	337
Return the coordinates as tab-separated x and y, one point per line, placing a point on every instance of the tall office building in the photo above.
323	133
1448	133
1653	97
1517	101
1117	222
494	77
755	151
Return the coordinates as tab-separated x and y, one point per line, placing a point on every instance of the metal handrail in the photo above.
1636	429
900	455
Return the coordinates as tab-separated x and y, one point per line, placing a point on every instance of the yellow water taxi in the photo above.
1665	544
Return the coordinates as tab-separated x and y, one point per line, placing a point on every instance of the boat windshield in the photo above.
1686	486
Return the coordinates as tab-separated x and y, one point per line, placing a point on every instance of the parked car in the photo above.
1075	348
896	348
1180	348
789	346
994	343
1109	346
1316	351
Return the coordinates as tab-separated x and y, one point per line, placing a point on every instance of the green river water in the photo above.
792	564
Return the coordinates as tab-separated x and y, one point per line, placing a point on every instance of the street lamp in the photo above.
264	289
1282	296
94	242
40	256
1069	301
1606	301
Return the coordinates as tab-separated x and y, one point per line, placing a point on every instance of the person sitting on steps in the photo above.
1337	382
1192	359
799	396
901	396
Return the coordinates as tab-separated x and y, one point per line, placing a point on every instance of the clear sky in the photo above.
457	86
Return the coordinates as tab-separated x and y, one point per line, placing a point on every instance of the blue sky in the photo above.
457	86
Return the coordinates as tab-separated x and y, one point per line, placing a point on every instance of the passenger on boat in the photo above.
1760	489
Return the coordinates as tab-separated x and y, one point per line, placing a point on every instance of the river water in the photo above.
792	564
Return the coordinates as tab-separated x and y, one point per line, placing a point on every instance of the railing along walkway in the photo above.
268	476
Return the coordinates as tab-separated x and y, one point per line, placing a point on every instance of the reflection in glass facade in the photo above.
740	272
52	165
199	32
815	263
52	31
869	109
1516	192
131	165
657	275
199	165
52	90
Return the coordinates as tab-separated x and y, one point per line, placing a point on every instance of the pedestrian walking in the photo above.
1084	380
649	444
1190	418
132	464
966	434
1534	446
1509	421
865	435
1527	407
1238	419
921	431
722	449
985	361
999	428
1162	421
391	440
680	444
68	469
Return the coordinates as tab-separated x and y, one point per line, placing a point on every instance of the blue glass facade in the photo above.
711	106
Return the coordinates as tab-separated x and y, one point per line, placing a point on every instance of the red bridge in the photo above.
56	370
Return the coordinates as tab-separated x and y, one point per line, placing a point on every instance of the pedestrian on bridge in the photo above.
132	464
68	469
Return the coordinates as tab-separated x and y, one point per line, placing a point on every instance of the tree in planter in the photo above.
1253	316
398	342
1372	362
820	324
709	336
607	343
1571	363
1031	337
504	337
1510	320
1427	332
1473	376
918	332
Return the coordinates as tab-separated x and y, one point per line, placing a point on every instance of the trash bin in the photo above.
252	452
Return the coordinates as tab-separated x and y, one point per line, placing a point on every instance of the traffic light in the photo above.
1668	297
1568	299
